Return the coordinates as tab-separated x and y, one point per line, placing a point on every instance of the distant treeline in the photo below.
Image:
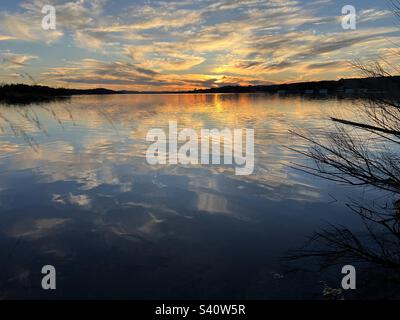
22	93
342	86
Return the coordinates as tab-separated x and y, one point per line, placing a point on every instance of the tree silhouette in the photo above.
362	152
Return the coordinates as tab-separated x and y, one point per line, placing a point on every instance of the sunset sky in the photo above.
175	45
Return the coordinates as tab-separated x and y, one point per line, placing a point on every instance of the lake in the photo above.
76	192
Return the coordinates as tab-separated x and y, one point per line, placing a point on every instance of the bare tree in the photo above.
362	152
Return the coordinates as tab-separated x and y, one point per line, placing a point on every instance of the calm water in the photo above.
76	192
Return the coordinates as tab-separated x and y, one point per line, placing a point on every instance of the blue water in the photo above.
76	192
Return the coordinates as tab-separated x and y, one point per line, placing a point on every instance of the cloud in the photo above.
101	72
163	56
123	74
325	65
295	52
5	38
373	14
12	60
186	44
22	27
71	16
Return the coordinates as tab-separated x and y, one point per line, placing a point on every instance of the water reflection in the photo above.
76	192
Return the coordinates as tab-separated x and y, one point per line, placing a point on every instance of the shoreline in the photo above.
344	88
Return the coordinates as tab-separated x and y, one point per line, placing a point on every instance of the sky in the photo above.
188	44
